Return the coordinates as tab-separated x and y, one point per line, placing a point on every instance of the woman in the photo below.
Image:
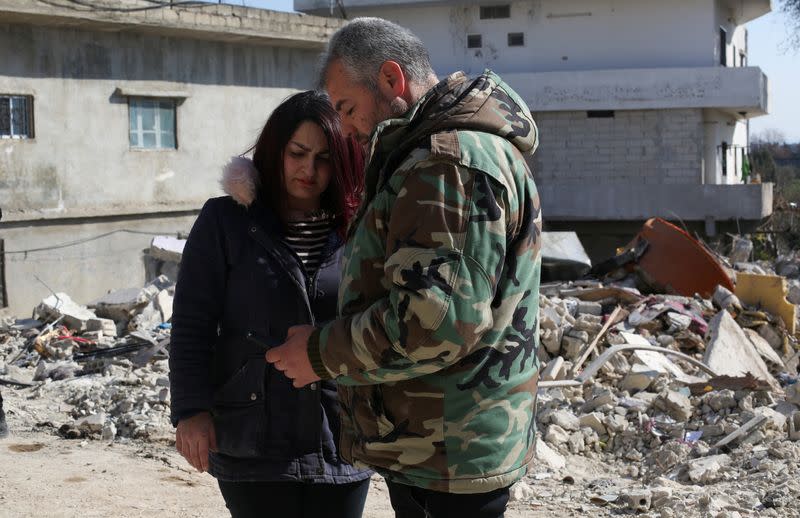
258	261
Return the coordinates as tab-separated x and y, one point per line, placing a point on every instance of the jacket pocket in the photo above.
240	414
368	414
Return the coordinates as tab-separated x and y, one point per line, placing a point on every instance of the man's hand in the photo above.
194	438
292	357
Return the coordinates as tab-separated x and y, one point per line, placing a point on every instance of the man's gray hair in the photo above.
364	44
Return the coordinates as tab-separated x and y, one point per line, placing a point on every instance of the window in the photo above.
474	41
600	114
723	47
152	123
742	59
724	159
16	116
516	39
493	12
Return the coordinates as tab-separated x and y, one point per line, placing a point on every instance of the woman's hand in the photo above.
194	438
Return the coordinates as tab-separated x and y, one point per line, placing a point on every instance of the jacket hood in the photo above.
485	103
240	180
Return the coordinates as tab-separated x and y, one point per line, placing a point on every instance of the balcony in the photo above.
743	92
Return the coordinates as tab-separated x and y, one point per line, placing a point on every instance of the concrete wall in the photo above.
638	147
563	36
78	178
80	162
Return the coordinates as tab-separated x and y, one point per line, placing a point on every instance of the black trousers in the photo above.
294	499
414	502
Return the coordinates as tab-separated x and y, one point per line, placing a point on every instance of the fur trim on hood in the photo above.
240	180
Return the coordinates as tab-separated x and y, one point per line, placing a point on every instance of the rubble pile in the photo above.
691	402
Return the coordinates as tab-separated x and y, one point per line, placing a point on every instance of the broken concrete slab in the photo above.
742	432
706	469
676	404
730	351
764	349
60	305
549	457
554	370
167	248
639	378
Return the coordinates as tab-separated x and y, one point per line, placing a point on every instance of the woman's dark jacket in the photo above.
239	289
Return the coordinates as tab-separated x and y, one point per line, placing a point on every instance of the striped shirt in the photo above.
308	237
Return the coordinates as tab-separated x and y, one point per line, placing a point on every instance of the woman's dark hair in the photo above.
343	194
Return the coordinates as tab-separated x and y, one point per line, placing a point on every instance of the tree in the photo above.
792	9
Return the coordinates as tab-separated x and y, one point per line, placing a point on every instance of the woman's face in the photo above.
306	167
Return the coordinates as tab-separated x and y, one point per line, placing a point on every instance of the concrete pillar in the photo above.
711	166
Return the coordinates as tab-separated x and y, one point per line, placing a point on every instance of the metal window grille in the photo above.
493	12
516	39
152	123
16	116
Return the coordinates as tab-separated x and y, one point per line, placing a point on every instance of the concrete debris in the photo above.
705	422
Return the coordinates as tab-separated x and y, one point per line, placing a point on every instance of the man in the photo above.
435	346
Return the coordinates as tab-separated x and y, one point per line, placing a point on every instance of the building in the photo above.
642	105
115	122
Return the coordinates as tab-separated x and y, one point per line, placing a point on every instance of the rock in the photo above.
556	435
764	349
723	298
741	249
60	305
554	370
551	340
638	501
572	347
92	423
639	378
775	420
594	421
616	423
721	399
520	492
590	308
164	304
109	432
773	338
549	457
678	322
794	292
103	325
566	420
730	352
707	469
676	405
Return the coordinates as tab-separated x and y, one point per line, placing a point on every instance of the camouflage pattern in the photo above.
435	347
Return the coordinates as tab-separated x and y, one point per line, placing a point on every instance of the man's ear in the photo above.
391	80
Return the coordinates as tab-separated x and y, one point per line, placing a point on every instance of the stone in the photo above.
104	325
678	322
638	378
92	423
549	457
741	248
794	426
576	443
723	298
572	347
109	432
551	340
638	501
589	308
794	292
775	420
793	394
556	435
773	338
605	397
616	423
677	405
554	370
75	316
566	420
707	469
520	492
721	399
164	304
730	352
593	420
764	349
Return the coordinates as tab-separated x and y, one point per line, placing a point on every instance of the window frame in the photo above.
521	35
480	41
495	12
28	113
136	102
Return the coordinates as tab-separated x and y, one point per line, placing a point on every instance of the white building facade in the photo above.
642	105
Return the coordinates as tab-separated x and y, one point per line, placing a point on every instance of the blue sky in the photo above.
768	36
